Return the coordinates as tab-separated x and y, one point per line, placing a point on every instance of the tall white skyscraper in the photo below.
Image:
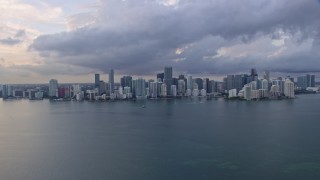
111	81
289	89
53	87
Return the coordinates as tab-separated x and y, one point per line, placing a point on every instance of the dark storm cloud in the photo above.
140	37
10	41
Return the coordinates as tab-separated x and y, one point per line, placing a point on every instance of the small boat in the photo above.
143	106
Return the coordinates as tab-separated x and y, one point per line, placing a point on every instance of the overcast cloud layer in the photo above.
139	37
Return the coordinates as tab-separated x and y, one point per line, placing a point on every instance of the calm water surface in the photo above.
167	140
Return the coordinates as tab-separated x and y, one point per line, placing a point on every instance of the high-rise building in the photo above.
306	81
254	74
102	87
230	82
247	92
199	82
181	87
173	90
266	75
4	91
96	80
168	80
189	82
289	88
53	88
160	77
126	81
163	90
264	84
111	81
205	85
153	89
280	84
139	88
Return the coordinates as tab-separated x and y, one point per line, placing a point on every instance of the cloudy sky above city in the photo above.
71	40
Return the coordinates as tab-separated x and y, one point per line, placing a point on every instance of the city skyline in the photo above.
70	41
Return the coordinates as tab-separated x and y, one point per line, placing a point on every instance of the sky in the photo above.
70	40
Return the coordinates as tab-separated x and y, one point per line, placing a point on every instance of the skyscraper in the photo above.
97	81
126	81
264	84
267	75
189	82
53	87
139	88
160	76
111	81
289	88
4	91
168	78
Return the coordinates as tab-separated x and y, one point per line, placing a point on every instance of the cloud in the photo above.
213	36
10	41
20	33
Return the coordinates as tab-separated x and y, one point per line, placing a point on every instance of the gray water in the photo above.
183	139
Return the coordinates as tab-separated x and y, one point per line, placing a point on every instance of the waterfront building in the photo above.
168	80
254	85
139	88
274	91
203	92
97	81
254	94
264	84
181	87
160	77
18	93
5	91
247	92
173	90
163	90
153	89
189	83
266	75
102	88
199	83
232	93
126	81
306	81
53	88
195	92
205	84
279	83
188	92
289	88
111	81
